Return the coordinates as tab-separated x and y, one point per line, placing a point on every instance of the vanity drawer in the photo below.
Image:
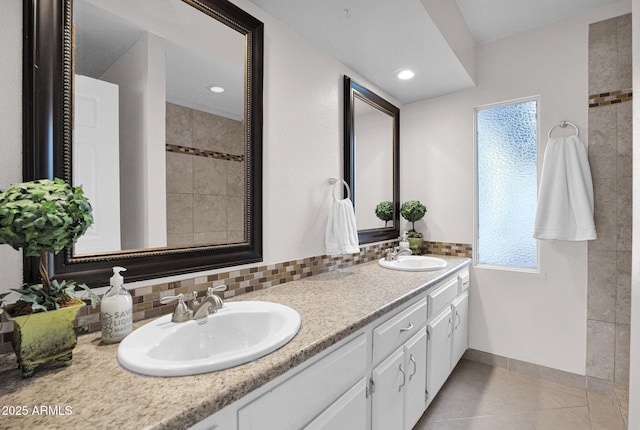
441	297
390	335
463	281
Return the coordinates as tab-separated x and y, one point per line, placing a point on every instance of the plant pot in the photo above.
44	336
415	244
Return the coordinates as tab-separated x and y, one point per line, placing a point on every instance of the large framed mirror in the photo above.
372	160
154	107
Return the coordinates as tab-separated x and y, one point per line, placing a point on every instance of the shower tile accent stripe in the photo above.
146	300
610	98
203	153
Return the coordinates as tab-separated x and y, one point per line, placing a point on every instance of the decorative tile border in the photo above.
610	98
446	248
203	153
146	300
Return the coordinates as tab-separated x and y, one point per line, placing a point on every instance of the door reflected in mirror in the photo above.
159	126
371	156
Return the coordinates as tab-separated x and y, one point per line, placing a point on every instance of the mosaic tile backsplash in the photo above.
146	300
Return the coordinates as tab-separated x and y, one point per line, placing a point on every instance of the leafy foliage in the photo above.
412	211
60	293
414	234
384	211
43	215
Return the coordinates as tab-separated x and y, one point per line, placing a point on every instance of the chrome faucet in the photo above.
182	312
210	304
393	253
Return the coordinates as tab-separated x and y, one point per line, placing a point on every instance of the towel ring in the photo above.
564	124
337	182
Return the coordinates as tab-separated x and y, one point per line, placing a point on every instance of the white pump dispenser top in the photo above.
116	280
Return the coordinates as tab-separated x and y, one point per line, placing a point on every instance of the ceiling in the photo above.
376	38
494	19
101	38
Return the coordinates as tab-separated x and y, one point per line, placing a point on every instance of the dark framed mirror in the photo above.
226	224
372	160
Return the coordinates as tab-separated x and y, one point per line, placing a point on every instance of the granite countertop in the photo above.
95	392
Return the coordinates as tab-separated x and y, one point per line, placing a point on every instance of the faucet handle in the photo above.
170	299
211	290
181	311
388	255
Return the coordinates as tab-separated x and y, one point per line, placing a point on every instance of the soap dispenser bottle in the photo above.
116	310
404	243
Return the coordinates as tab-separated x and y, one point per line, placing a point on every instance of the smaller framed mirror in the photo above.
372	161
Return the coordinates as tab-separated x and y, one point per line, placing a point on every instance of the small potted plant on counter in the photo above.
39	217
413	211
384	211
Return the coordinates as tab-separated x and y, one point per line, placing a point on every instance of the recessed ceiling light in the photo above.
405	74
216	89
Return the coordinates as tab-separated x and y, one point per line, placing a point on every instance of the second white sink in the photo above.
238	333
414	263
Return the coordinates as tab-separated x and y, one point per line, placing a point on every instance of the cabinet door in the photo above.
460	309
439	332
296	401
389	379
415	356
349	412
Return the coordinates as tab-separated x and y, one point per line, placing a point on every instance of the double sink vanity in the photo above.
371	349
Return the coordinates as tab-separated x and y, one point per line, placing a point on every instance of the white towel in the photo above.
565	200
342	234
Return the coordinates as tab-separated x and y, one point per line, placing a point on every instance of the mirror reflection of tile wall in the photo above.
205	178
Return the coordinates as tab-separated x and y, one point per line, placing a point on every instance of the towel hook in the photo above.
564	124
335	182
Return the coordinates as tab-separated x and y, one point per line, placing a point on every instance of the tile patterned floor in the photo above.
481	397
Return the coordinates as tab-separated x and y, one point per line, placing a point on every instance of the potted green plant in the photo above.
384	211
40	217
412	211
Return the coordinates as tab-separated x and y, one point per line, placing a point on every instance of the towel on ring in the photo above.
342	234
564	210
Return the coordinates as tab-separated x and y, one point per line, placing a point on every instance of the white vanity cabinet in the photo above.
439	332
399	381
460	310
346	413
447	331
315	391
381	377
460	316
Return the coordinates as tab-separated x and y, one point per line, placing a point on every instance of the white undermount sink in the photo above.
414	263
238	333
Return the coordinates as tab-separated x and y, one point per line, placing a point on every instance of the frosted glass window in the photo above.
507	141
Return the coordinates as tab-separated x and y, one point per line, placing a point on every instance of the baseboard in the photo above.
554	375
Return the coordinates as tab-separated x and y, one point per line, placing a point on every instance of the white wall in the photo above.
302	139
634	372
11	125
140	75
539	318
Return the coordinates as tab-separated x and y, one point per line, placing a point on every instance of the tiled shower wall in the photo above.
610	133
205	178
